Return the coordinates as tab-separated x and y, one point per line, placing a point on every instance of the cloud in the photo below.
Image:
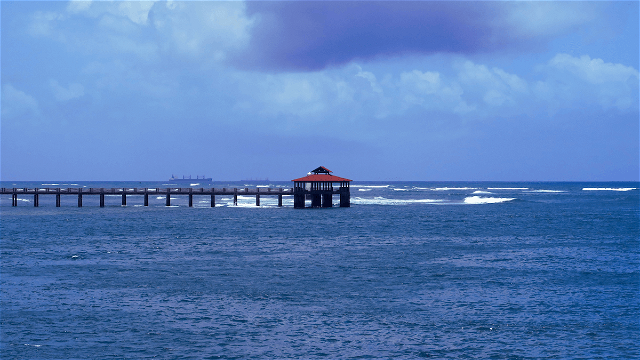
204	29
427	89
200	31
76	6
44	23
594	71
18	104
312	35
61	93
531	19
582	79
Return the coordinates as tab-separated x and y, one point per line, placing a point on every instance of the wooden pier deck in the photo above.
124	192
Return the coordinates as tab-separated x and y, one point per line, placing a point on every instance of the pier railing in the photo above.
168	192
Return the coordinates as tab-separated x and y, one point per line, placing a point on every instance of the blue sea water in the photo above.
410	270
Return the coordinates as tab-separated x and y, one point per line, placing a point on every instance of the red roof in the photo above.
321	177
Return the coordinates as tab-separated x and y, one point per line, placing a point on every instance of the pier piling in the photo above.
81	192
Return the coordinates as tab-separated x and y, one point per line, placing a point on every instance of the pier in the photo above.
124	192
318	186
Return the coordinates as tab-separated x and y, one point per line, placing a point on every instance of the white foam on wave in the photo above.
547	191
400	189
50	184
482	192
508	188
609	189
365	189
379	200
371	186
485	200
195	184
453	188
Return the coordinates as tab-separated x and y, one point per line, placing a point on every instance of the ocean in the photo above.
446	270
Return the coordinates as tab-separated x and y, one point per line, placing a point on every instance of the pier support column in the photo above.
213	199
79	197
124	198
101	199
235	196
257	199
35	199
58	198
14	198
298	200
327	200
316	200
168	201
146	198
280	200
345	199
190	197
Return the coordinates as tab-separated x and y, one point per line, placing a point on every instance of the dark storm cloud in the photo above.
313	35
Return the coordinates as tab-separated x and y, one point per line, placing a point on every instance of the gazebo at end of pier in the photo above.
319	186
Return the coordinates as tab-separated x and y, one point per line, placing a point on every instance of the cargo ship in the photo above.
198	178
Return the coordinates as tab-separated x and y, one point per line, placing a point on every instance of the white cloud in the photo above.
429	90
544	18
208	29
44	23
76	6
136	11
371	78
584	80
594	71
61	93
17	103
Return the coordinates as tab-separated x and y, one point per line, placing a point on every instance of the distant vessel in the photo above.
173	178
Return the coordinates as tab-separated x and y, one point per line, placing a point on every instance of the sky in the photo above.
372	90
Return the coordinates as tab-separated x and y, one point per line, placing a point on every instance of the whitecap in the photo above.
371	186
196	184
378	200
365	189
508	188
608	189
547	191
453	188
482	192
485	200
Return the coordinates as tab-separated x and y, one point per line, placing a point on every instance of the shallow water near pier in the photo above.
410	270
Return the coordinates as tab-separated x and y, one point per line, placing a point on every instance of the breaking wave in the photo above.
608	189
384	201
485	200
